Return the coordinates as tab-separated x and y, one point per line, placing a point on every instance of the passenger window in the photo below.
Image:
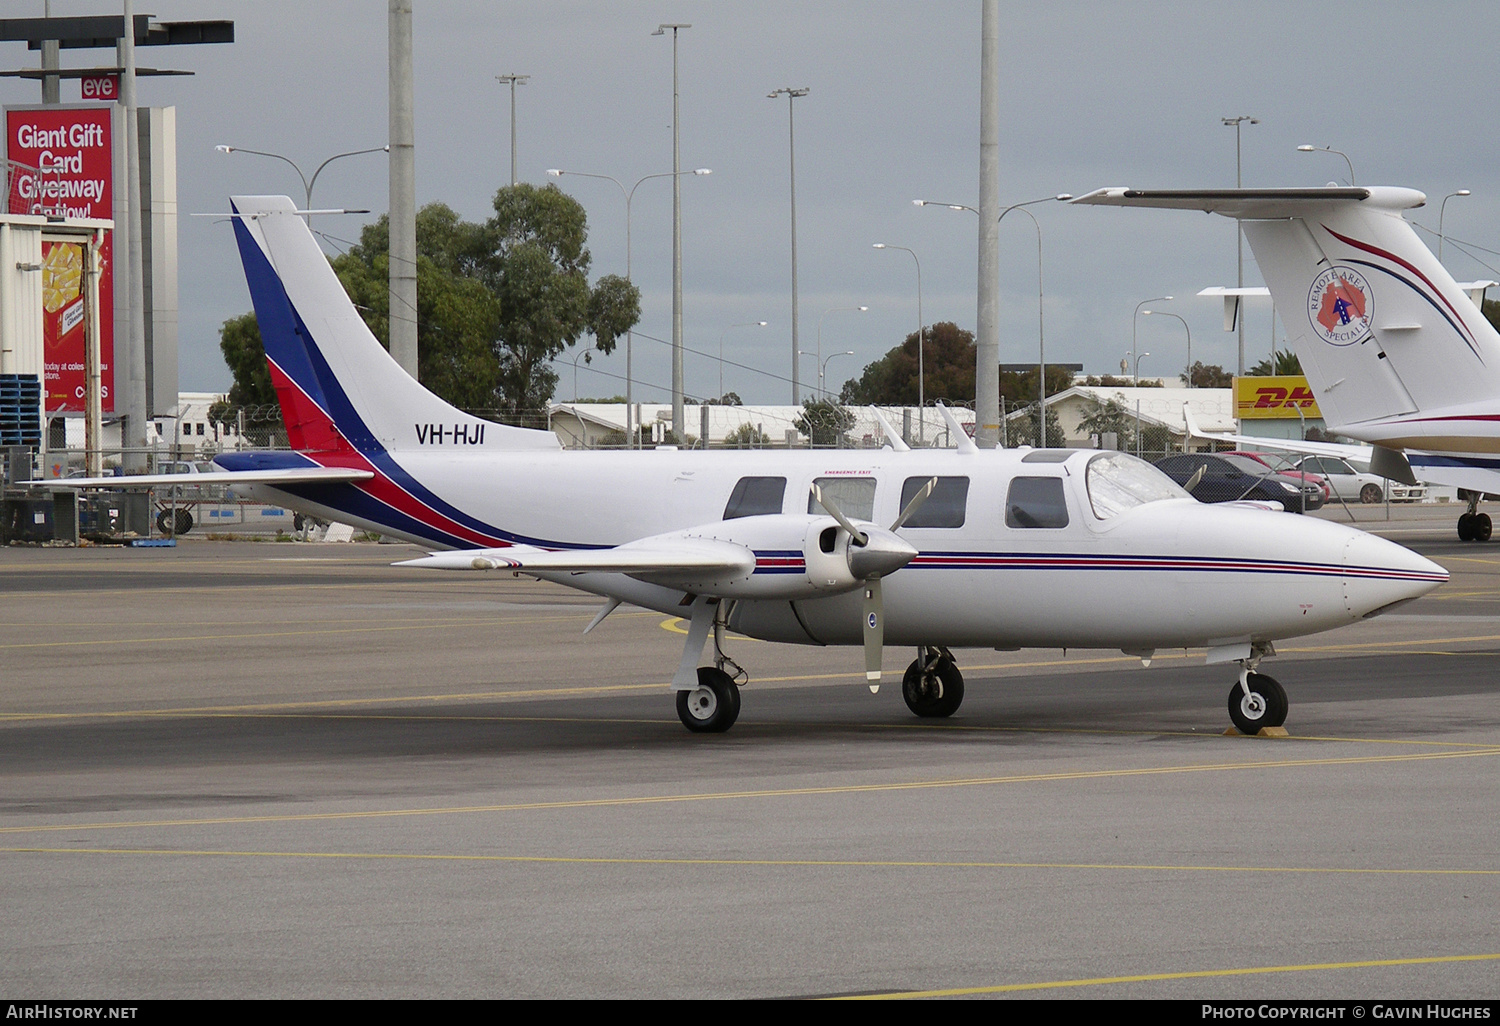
854	496
946	505
1036	502
755	496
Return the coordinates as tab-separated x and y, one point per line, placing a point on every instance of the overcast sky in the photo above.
1092	94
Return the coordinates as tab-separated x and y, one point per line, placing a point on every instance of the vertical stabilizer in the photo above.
338	387
1394	349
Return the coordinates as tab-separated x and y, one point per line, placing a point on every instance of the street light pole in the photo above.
1239	231
1309	148
679	427
1135	319
1442	209
514	81
1188	377
825	313
629	334
791	135
1041	336
307	183
747	324
1040	295
921	332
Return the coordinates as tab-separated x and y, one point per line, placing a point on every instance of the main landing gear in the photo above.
714	705
932	685
1474	525
1256	701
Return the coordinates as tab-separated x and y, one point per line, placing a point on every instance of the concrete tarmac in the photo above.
277	770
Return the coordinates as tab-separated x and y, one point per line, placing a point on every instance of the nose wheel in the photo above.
932	685
1257	701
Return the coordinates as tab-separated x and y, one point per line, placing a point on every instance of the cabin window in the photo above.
1117	482
755	496
1036	502
945	507
854	496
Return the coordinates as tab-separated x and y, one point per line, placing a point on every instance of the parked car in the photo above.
1232	478
1284	466
1353	482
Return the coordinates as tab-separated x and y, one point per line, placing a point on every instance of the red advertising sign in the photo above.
100	87
70	148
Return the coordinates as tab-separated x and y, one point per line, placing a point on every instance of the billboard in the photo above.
1274	398
71	149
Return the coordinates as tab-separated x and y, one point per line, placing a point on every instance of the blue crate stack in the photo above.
20	409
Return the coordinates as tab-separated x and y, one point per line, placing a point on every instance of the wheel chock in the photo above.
1262	732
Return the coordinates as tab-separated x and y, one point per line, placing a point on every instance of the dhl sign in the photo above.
1274	398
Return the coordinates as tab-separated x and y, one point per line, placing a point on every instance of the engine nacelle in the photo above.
797	556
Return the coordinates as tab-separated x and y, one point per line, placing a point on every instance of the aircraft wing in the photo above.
290	475
1385	462
643	558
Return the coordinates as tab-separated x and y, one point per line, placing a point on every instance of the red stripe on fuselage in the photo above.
313	434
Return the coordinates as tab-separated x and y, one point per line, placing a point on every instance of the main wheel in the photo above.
711	707
164	521
939	692
1481	527
1264	706
1370	494
184	522
1466	527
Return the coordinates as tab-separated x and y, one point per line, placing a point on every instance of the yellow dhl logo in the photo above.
1267	398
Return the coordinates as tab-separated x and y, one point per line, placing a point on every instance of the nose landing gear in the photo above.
932	685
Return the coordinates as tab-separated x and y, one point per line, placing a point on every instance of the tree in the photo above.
535	262
748	436
727	399
496	302
1491	310
457	316
1023	430
1203	375
239	341
1104	417
947	365
824	421
1285	362
1019	387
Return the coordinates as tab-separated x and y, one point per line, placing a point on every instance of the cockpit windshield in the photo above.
1118	482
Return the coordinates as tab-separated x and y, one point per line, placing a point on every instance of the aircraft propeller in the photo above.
874	553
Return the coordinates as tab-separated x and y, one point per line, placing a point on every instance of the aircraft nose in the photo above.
1379	574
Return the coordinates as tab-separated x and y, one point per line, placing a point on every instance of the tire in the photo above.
164	522
1481	527
1370	494
939	693
1466	527
1265	706
184	522
711	707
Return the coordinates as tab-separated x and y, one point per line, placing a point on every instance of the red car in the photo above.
1286	468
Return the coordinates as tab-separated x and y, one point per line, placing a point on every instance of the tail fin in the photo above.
1389	342
338	387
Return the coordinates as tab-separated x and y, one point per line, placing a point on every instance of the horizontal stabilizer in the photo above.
1384	462
1255	203
290	475
643	558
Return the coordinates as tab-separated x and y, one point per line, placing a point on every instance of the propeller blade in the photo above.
860	538
915	504
874	633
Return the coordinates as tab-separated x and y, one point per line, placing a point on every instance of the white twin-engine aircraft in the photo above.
934	549
1395	350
